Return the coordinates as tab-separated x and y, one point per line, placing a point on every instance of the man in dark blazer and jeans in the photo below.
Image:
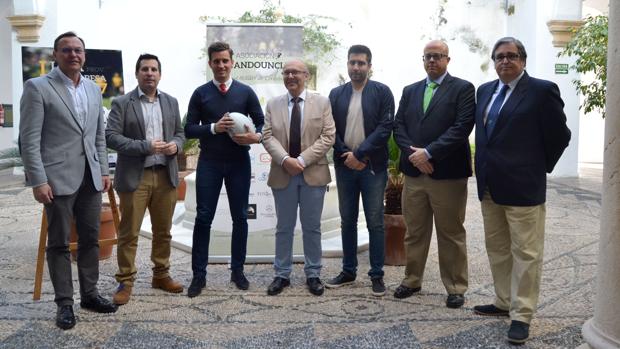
521	133
363	112
435	116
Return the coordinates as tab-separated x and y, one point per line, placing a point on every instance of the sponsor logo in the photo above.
252	211
265	157
269	212
265	193
263	176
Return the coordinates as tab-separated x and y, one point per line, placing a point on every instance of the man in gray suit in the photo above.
64	154
144	127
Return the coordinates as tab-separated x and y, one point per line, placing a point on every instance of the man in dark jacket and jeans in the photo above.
363	111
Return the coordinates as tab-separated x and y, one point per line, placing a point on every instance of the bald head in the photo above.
295	74
436	58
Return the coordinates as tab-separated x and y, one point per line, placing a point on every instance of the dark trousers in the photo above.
85	207
209	177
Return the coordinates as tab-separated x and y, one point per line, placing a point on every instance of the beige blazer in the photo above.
317	137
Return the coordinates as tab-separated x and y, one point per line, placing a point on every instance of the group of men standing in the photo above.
520	135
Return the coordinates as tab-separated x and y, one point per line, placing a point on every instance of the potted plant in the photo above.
394	222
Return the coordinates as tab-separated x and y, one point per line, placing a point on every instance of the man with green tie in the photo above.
434	119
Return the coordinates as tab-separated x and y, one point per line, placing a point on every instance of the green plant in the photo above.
319	43
394	187
589	45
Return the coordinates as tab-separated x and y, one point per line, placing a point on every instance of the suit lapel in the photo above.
60	88
92	114
137	109
485	99
165	107
308	105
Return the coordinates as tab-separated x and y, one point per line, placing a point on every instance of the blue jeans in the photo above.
371	186
310	200
236	176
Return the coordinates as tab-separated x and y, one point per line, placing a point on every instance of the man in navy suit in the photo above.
521	133
434	119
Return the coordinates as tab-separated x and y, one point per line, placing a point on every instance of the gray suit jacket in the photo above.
55	148
125	133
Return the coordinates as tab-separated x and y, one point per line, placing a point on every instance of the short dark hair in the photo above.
510	40
219	46
147	56
67	35
360	49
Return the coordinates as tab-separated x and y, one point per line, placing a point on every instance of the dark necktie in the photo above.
495	109
223	89
294	143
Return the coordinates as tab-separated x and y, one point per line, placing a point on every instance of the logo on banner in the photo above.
265	157
263	176
252	211
265	193
269	212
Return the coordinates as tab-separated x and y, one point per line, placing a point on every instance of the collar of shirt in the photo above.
511	85
302	95
140	93
438	81
67	81
227	83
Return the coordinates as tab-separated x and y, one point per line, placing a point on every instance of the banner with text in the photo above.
260	51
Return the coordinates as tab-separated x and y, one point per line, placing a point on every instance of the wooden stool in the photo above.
38	274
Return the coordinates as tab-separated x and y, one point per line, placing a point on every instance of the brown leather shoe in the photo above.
168	285
122	295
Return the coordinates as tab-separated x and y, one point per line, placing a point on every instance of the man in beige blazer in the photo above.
299	130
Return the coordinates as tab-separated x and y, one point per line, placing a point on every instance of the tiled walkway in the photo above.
350	317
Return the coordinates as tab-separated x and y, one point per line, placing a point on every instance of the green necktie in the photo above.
428	94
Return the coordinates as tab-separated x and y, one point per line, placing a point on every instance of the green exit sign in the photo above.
561	68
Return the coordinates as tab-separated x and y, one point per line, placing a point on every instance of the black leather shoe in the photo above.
342	279
65	319
403	291
519	332
315	286
195	288
99	305
455	301
277	285
490	310
239	279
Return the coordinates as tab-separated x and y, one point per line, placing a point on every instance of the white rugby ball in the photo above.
240	122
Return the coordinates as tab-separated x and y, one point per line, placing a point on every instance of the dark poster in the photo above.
104	67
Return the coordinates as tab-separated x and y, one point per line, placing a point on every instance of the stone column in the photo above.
603	330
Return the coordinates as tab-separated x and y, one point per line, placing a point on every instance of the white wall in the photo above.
396	32
6	9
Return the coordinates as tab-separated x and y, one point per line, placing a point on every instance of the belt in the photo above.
155	167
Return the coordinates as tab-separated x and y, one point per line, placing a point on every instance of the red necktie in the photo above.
223	88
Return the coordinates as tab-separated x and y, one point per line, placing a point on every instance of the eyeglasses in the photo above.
434	56
293	72
510	56
68	50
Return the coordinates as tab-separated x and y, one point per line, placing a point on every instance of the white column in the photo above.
603	330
